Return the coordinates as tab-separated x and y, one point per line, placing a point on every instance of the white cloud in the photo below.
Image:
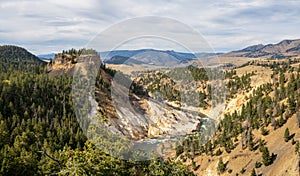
52	25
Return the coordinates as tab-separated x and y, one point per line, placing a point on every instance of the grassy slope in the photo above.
286	162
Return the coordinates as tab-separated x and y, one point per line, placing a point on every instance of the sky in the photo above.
48	26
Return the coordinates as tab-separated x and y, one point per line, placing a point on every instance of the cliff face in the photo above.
140	116
64	63
149	118
61	64
137	117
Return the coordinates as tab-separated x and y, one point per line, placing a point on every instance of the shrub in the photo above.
243	171
258	164
218	152
221	166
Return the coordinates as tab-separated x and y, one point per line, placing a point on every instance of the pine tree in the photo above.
281	121
253	173
218	152
221	166
266	157
264	132
286	135
257	164
291	103
194	164
297	146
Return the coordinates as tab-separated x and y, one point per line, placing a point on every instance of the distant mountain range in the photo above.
150	56
46	56
107	55
283	49
142	56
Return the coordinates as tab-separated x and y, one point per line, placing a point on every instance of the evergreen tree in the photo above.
257	164
281	121
266	157
286	135
253	173
221	166
264	132
297	146
218	152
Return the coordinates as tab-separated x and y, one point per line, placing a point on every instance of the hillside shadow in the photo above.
274	156
291	136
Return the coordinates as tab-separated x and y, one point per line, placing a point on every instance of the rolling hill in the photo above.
285	48
17	57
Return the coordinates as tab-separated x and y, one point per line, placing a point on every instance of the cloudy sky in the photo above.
48	26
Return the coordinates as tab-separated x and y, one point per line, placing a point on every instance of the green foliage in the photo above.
264	132
281	121
286	135
17	58
194	165
218	152
258	164
179	150
75	52
37	119
266	157
230	74
297	146
91	161
243	171
221	166
181	85
37	116
168	167
198	74
160	85
40	134
293	141
238	84
298	117
258	112
253	173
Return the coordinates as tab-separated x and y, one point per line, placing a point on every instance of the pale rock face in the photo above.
154	131
156	120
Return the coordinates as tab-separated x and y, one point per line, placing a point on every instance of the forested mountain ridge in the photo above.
18	58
